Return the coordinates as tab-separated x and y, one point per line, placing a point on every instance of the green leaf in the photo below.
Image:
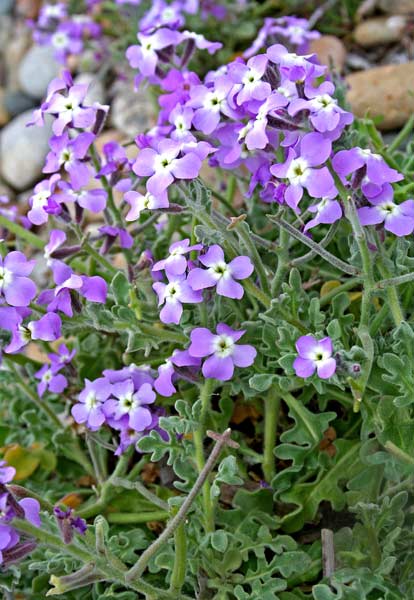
120	288
219	540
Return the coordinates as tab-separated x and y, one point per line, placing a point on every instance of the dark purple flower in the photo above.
222	351
221	274
314	355
68	524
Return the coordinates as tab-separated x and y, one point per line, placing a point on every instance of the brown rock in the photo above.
4	115
383	30
330	50
386	92
29	9
397	7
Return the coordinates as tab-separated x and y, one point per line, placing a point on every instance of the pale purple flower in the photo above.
139	202
248	79
130	406
176	262
93	200
294	67
62	358
299	169
56	239
397	218
44	201
172	295
209	103
221	274
111	233
255	134
145	55
325	113
15	287
167	373
222	351
70	155
327	211
201	42
7	473
164	164
378	172
69	109
50	380
314	355
89	409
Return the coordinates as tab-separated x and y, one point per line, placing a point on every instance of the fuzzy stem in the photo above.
272	404
282	262
180	560
198	437
22	233
243	230
136	571
141	517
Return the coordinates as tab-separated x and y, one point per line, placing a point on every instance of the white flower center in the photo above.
324	102
171	291
6	278
320	355
127	404
223	346
298	171
60	40
366	153
388	209
91	401
220	270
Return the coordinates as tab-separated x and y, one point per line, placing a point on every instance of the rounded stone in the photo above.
6	7
397	7
23	151
36	70
329	50
385	92
384	30
131	112
16	102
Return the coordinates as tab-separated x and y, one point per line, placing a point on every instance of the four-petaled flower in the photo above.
314	355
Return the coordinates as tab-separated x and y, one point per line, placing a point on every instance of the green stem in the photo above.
330	258
402	135
222	199
22	233
41	405
198	437
162	334
398	453
243	230
180	561
344	287
142	517
272	404
134	574
93	453
282	262
141	489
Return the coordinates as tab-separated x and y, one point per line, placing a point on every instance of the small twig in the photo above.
328	552
330	258
319	12
221	441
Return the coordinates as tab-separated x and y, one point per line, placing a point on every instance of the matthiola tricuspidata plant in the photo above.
206	332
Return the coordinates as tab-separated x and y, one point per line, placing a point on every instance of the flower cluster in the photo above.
13	545
186	280
120	399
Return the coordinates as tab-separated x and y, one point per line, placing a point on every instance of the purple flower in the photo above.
44	201
70	154
68	524
163	165
62	358
15	287
139	203
255	132
172	295
111	233
378	172
248	79
327	211
176	262
221	274
222	351
89	409
144	56
299	169
49	380
210	103
167	373
130	406
293	67
93	200
7	473
314	355
397	218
